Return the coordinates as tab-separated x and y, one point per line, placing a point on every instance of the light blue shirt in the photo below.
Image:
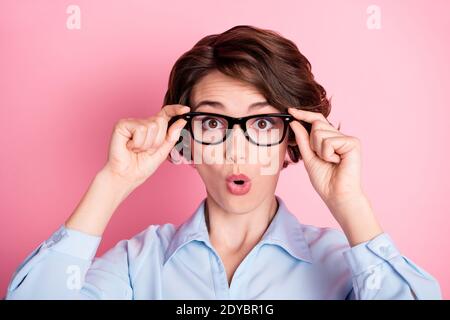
291	261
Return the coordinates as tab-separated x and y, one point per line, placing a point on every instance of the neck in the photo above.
234	232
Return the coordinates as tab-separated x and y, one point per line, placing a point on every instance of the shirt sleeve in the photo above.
379	271
64	267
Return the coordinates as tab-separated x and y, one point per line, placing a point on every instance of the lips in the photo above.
238	184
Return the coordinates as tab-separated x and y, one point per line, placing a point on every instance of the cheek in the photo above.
272	159
211	176
282	152
268	181
207	154
214	155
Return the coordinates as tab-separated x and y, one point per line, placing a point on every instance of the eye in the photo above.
263	124
210	123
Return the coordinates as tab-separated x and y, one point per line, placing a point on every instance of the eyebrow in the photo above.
217	104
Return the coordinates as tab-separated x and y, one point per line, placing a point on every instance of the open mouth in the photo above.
238	184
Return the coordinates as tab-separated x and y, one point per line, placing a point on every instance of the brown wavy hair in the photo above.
260	57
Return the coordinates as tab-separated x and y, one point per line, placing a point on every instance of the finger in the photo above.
169	111
316	139
345	147
162	125
308	116
163	118
175	130
151	135
121	134
302	139
327	151
321	125
342	145
171	139
139	131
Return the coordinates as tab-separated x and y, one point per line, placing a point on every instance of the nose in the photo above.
236	145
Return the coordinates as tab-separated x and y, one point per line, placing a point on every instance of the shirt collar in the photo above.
284	231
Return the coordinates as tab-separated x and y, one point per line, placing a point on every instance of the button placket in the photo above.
220	277
236	283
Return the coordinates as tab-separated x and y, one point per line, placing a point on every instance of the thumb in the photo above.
302	139
171	139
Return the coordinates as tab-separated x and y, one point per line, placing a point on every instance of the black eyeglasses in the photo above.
211	128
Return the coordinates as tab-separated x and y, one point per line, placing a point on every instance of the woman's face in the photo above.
237	155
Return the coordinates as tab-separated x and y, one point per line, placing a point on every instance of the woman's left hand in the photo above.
333	162
332	159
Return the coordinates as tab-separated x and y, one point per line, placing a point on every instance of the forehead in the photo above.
216	82
230	92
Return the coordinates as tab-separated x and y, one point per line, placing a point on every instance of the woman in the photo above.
242	106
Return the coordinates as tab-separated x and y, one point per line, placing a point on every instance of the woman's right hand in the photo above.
139	146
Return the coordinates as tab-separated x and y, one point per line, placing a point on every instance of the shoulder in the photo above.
327	246
323	235
153	239
326	243
148	243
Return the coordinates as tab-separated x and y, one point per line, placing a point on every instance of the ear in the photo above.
292	143
287	160
287	157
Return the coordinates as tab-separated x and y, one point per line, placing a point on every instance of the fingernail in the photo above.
174	135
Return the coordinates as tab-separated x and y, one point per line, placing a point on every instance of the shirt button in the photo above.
49	243
55	238
385	250
373	281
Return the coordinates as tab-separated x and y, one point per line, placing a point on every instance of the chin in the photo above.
239	204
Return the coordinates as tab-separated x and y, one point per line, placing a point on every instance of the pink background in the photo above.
61	91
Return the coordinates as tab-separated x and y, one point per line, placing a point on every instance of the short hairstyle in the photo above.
260	57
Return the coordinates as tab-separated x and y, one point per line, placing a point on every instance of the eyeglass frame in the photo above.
241	121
